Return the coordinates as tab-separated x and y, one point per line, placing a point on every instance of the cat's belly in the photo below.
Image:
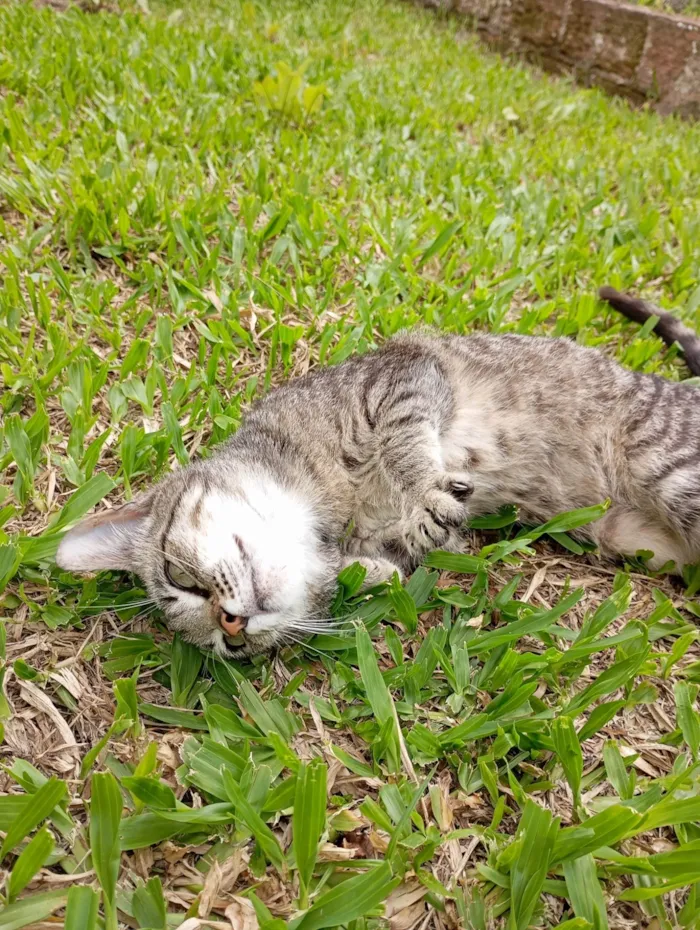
542	468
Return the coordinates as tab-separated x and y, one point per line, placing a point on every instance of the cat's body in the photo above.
382	458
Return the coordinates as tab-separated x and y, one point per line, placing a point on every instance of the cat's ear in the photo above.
107	540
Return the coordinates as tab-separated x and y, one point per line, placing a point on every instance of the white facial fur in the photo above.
253	548
262	541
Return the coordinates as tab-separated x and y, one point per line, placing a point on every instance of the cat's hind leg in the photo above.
623	531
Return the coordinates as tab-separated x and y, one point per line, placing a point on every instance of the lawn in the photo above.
687	7
197	202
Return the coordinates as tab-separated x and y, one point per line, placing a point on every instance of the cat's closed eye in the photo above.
180	578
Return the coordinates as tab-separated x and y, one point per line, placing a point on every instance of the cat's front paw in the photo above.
440	512
378	570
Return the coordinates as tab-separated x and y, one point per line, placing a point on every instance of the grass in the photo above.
198	202
689	8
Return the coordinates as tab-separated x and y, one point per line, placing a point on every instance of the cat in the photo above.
382	458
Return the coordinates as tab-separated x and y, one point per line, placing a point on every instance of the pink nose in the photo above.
232	625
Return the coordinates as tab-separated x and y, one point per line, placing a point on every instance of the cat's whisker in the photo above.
183	563
111	606
294	641
319	628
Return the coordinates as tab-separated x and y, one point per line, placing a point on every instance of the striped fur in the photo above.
382	458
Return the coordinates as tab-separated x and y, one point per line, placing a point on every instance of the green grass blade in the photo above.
84	499
349	900
616	770
687	717
81	910
378	694
265	838
29	861
308	821
105	817
31	910
536	837
42	804
568	748
584	891
149	905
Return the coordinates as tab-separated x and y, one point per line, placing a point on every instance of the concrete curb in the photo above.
633	51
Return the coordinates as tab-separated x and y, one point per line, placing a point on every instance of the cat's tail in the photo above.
668	326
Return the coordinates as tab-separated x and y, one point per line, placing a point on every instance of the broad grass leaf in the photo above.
599	717
573	519
308	820
81	910
151	792
562	523
455	562
30	860
149	906
506	516
245	812
619	777
378	694
440	241
604	829
351	579
568	749
648	888
269	716
31	910
671	812
152	827
403	604
32	814
10	559
619	674
611	608
531	625
356	766
349	900
584	891
105	819
174	431
679	862
687	717
127	712
185	664
174	717
84	499
536	837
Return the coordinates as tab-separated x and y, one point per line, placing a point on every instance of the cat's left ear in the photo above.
110	539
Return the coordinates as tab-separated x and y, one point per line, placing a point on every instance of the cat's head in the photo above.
236	562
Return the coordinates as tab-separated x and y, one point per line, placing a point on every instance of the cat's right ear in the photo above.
106	540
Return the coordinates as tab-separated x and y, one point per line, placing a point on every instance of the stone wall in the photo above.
634	51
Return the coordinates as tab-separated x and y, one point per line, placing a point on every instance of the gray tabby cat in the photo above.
382	458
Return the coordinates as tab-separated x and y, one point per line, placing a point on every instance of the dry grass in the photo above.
166	241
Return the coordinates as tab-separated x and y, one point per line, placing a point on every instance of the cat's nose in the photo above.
231	625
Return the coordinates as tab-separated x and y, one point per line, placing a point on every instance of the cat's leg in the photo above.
415	407
623	531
